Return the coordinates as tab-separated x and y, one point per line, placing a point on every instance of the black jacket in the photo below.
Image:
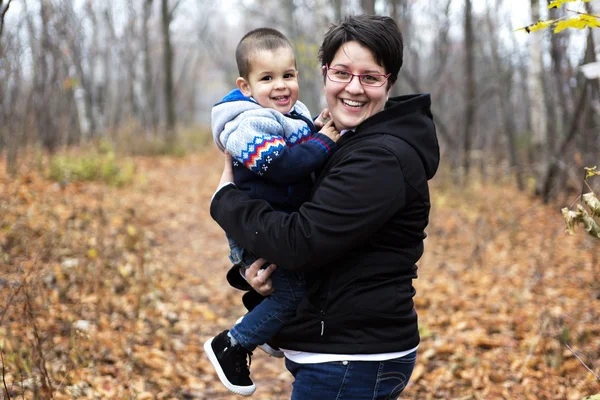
359	237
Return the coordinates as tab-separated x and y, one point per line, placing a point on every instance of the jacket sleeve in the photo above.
358	195
258	144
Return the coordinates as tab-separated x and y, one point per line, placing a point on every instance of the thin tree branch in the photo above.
4	11
582	13
581	361
4	373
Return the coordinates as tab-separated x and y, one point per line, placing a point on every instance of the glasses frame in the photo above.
328	68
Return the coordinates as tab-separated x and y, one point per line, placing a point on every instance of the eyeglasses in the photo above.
372	80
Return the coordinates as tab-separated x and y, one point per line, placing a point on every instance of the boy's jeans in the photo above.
351	380
266	319
238	255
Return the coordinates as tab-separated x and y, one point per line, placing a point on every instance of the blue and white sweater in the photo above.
274	154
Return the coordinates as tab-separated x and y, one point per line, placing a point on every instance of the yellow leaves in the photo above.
581	22
537	26
92	254
559	3
590	172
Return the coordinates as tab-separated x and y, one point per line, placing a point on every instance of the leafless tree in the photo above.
3	11
368	6
470	93
151	113
167	18
504	72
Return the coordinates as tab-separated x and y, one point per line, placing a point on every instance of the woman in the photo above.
355	334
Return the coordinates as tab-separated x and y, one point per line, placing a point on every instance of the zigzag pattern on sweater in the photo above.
300	136
254	135
259	154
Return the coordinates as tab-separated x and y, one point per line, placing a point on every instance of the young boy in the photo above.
275	147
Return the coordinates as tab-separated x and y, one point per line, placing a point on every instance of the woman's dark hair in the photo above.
377	33
258	40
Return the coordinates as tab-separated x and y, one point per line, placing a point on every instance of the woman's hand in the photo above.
227	175
260	279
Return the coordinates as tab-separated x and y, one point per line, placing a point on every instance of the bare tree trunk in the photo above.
8	117
45	127
151	111
536	96
3	11
337	10
505	105
591	145
131	59
368	6
470	88
113	72
167	17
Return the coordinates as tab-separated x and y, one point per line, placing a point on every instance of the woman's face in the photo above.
351	103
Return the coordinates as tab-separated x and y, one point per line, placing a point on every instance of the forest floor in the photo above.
109	293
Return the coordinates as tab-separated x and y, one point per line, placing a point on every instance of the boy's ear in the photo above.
244	86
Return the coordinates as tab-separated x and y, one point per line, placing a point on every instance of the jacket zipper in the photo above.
322	322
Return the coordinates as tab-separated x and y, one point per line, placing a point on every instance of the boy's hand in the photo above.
322	118
330	131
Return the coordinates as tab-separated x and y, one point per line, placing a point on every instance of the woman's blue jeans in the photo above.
351	380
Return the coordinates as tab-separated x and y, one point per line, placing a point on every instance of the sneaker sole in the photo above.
241	390
271	351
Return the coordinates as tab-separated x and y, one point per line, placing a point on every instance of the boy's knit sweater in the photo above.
274	154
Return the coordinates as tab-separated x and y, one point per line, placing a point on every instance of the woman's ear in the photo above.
244	86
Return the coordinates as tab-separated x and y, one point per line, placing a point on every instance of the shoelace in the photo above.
240	361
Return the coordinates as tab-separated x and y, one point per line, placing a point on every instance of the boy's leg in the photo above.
236	252
264	321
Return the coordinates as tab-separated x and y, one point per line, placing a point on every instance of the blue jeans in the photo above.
267	318
238	255
351	380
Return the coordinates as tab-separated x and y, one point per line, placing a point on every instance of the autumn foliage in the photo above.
109	292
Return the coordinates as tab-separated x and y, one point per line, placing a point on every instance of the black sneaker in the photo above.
230	363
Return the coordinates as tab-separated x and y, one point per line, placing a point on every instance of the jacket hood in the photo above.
409	118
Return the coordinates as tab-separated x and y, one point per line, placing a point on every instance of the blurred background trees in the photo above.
507	105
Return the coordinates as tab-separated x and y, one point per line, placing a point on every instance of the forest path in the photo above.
194	250
487	290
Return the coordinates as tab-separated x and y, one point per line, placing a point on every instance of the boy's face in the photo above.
273	79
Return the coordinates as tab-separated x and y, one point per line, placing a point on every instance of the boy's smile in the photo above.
273	79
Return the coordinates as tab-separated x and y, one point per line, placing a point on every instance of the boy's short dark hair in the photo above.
378	33
258	40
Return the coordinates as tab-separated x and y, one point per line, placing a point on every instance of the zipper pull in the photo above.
322	322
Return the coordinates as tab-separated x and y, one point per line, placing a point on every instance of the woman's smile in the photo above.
350	103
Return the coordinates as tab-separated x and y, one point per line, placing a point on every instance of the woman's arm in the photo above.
358	195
